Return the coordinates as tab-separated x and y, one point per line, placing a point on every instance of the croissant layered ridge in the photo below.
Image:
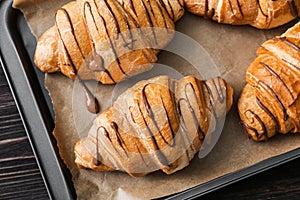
262	14
270	102
158	124
107	40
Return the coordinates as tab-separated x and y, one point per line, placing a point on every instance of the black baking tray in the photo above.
17	45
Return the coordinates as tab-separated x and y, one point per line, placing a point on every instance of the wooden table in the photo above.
20	176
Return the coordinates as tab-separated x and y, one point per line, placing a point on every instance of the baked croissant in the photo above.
270	102
262	14
107	40
157	124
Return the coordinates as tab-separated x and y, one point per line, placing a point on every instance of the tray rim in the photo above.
55	189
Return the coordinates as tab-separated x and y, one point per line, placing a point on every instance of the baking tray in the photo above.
17	45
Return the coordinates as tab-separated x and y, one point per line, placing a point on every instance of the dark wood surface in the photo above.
20	176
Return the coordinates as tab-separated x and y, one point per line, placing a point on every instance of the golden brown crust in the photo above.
99	39
157	124
261	14
268	103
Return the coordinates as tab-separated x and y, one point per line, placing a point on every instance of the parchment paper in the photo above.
231	47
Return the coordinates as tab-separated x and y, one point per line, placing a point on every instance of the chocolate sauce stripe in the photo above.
132	7
152	17
273	73
285	116
196	122
120	140
211	102
240	8
287	42
96	160
141	154
106	134
160	156
151	115
231	8
163	16
291	64
206	7
96	66
121	11
263	126
219	90
72	30
246	126
92	103
284	60
182	122
65	47
104	24
266	110
181	4
208	14
87	4
113	16
259	6
165	7
149	20
169	124
109	38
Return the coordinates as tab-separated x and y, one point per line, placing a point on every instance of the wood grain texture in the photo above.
20	177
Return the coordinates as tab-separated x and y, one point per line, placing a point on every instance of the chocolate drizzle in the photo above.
97	158
291	64
106	134
120	141
191	109
164	19
262	106
132	7
92	103
259	6
182	121
218	88
171	15
97	63
128	44
72	30
160	156
287	42
109	39
141	155
62	40
149	19
169	124
263	126
208	13
294	9
285	115
240	8
212	104
273	73
151	115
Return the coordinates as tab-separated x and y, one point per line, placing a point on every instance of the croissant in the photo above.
157	124
107	40
270	102
262	14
